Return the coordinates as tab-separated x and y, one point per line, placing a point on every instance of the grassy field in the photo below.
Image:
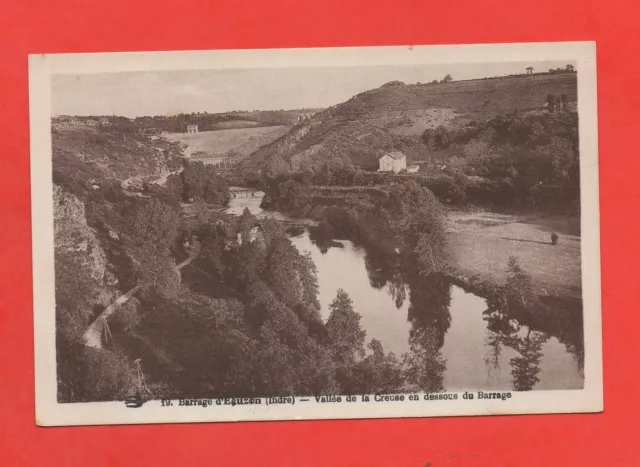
241	140
480	245
477	99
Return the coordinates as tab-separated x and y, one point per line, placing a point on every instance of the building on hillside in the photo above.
413	169
529	70
393	161
192	128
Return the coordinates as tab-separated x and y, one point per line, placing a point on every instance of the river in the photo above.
481	348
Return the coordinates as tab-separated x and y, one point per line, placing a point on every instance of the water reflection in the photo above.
449	339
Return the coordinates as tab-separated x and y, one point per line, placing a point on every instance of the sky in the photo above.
134	94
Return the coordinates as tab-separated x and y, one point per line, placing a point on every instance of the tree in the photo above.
437	138
277	166
346	337
152	223
476	148
424	363
563	158
447	78
175	186
202	181
551	102
519	284
377	373
526	366
430	251
157	273
151	230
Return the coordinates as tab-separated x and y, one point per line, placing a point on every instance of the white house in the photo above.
413	169
393	161
192	128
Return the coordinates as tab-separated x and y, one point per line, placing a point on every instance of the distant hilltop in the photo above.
206	121
397	115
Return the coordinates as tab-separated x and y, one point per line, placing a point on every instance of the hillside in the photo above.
86	155
224	120
396	115
241	139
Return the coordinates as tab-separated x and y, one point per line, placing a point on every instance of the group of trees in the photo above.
140	243
178	123
264	336
516	160
529	160
198	181
506	303
252	329
447	79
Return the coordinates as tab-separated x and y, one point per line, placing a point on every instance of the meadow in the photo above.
242	141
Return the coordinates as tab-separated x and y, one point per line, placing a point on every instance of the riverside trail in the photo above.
95	331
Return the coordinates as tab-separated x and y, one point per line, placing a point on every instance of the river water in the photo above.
481	348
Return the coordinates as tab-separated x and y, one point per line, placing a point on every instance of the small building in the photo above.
192	128
393	161
529	70
413	169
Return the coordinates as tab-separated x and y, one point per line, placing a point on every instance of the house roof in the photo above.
394	155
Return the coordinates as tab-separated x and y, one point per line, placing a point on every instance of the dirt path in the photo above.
479	244
95	331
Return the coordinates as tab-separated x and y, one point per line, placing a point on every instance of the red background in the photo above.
607	439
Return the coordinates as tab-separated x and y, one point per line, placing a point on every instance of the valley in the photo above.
328	276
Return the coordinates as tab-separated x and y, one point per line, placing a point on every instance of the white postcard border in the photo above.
41	67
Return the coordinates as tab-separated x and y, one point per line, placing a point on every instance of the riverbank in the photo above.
455	306
480	243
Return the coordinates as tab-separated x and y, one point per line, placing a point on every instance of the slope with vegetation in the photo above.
238	141
88	156
241	318
395	116
224	120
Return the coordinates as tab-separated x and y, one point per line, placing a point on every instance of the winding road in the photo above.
93	335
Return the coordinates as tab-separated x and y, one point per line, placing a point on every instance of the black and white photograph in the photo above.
320	233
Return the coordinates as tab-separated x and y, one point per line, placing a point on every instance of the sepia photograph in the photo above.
315	233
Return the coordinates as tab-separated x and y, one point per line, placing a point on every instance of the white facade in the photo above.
392	162
192	128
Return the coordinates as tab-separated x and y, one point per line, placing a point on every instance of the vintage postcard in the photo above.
315	233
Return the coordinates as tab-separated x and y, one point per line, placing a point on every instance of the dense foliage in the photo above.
243	320
530	161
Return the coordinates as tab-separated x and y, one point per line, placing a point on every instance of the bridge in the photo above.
219	162
245	192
